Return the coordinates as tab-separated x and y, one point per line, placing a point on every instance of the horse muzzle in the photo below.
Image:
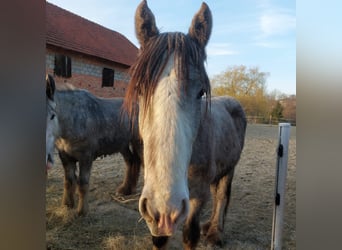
166	223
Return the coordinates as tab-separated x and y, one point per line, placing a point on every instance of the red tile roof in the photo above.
70	31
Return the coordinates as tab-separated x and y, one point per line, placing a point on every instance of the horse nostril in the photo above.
143	207
146	212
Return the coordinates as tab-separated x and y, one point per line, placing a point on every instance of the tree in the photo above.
240	81
277	112
289	104
248	85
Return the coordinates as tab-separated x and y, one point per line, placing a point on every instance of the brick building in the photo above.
85	54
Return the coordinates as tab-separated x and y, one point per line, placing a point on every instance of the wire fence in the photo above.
263	120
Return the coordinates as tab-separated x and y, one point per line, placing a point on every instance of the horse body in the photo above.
90	127
215	153
190	149
221	134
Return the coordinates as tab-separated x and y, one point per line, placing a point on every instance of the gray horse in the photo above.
90	127
191	147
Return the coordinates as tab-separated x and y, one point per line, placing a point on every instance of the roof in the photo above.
70	31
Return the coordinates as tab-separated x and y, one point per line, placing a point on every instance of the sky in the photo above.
255	33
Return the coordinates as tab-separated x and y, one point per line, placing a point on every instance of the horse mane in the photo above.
151	61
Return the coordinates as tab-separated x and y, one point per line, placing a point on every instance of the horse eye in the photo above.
52	116
200	94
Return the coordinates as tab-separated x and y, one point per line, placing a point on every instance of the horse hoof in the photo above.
123	190
68	204
215	238
82	212
205	228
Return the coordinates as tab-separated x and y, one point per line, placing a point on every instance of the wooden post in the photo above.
279	197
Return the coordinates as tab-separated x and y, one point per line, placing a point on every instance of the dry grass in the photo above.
114	222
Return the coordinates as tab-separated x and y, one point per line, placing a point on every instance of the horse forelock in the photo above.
151	62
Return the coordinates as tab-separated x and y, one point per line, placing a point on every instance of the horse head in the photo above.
168	82
51	120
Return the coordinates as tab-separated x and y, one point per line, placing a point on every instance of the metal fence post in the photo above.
279	197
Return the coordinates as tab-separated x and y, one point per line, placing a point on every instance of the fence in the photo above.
264	120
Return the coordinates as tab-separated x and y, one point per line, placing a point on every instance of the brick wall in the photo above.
86	73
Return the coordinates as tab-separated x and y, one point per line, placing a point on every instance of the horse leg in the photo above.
160	243
199	194
132	172
83	185
69	166
213	229
206	226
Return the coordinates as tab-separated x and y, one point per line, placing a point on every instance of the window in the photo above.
107	77
62	66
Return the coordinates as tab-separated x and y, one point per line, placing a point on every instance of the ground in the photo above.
114	222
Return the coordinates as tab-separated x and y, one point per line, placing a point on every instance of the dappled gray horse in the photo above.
90	127
190	147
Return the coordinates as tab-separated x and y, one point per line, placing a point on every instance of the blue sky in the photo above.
250	32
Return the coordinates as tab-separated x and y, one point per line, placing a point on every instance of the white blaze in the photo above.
168	137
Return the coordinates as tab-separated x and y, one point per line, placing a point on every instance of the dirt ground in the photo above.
114	222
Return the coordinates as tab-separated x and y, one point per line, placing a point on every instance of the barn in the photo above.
85	54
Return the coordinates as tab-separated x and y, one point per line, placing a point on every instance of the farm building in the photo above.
85	54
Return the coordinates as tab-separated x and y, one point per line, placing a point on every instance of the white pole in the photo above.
279	197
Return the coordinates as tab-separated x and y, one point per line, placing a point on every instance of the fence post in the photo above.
279	195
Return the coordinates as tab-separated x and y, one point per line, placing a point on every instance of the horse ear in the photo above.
50	87
145	24
201	25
